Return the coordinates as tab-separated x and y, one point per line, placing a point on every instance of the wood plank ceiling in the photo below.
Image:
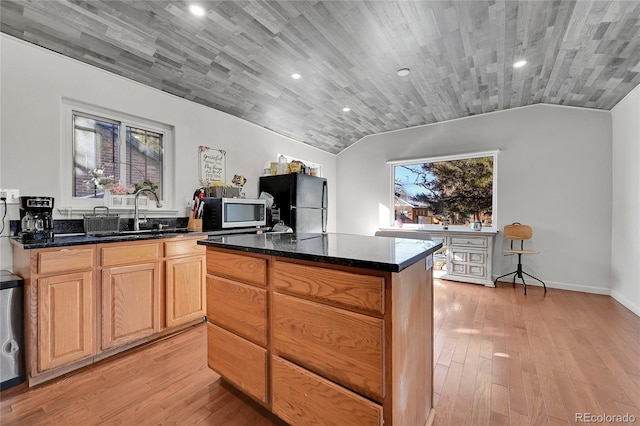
239	57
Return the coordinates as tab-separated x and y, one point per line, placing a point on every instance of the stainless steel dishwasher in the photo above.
11	330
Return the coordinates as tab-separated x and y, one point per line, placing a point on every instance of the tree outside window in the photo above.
456	189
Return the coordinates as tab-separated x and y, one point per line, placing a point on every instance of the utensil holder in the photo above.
194	225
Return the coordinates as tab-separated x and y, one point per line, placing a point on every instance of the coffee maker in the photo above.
36	218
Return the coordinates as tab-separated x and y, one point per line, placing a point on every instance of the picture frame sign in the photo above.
212	165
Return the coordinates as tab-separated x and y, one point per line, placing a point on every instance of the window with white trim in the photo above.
456	188
110	151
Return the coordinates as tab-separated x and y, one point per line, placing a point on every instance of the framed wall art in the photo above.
212	165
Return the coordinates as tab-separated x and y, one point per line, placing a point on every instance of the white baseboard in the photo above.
578	287
633	307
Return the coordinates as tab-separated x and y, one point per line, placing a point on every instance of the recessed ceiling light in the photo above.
346	109
403	72
295	76
196	10
520	64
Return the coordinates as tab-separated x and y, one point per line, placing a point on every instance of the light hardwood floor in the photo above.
500	358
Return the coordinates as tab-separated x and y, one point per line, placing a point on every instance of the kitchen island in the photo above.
324	328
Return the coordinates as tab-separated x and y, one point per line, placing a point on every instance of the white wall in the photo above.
625	234
554	173
33	81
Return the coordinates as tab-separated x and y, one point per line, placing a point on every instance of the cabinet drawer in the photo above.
238	361
478	271
468	270
465	241
343	346
185	247
324	402
349	289
121	255
461	255
238	307
65	260
248	269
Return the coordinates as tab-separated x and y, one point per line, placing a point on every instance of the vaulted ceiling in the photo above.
239	57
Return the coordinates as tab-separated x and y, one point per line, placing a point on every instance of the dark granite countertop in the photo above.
378	253
82	239
75	240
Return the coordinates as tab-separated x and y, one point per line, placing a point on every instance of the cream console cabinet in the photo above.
87	302
465	256
468	256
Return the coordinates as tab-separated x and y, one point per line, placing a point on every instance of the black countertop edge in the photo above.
72	240
77	240
9	280
386	266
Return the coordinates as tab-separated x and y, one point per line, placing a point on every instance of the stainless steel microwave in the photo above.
227	213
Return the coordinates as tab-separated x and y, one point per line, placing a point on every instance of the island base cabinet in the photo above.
302	398
239	361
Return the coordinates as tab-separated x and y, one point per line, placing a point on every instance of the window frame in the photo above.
440	158
69	203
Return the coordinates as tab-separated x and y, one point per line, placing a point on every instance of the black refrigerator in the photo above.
302	200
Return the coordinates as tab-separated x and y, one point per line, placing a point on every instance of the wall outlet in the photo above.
12	195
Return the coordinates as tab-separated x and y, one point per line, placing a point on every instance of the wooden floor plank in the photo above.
503	358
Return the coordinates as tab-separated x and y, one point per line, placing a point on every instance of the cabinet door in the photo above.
130	303
66	310
185	290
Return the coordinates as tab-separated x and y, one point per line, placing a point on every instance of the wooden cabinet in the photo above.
130	303
185	298
303	398
238	307
130	291
88	302
60	306
237	321
344	346
323	344
328	285
66	312
239	361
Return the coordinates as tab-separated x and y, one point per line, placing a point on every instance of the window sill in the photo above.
68	211
414	228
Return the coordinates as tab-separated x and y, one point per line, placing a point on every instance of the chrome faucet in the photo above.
136	211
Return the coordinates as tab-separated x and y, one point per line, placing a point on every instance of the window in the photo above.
459	189
112	151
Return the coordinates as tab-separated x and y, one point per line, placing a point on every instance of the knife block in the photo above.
194	225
